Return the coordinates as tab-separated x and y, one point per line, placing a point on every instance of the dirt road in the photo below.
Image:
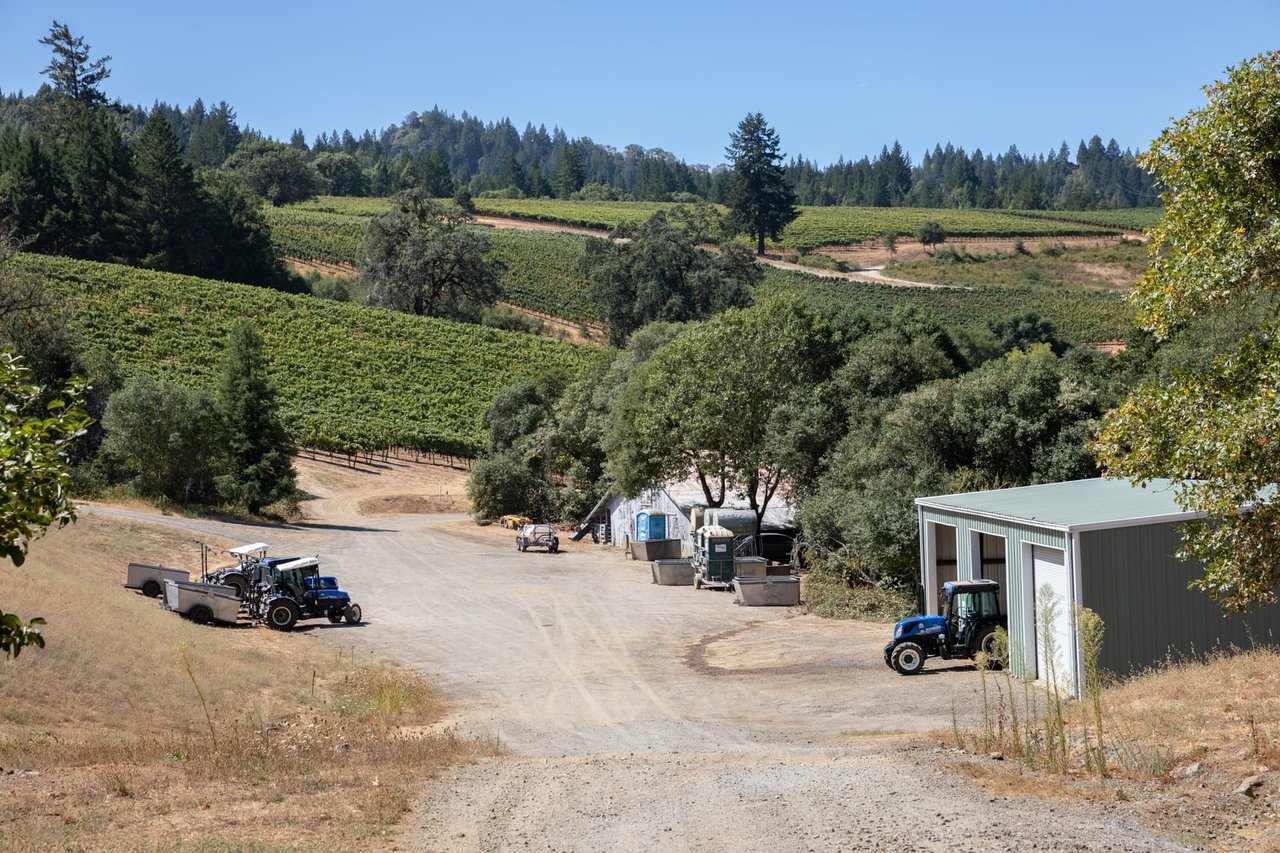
640	717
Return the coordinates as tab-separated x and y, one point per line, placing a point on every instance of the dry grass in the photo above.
1221	712
301	747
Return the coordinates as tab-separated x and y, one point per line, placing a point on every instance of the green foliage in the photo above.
544	272
350	378
275	171
1054	266
420	258
504	485
258	470
169	436
1129	218
169	201
16	634
316	235
1216	253
930	233
918	425
75	81
34	447
567	177
1078	316
34	475
706	405
659	272
814	228
761	202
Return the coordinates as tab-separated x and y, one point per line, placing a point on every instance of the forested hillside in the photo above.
440	152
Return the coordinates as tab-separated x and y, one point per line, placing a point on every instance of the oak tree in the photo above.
1216	252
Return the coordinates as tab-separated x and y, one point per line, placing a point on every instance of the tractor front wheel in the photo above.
353	614
908	658
282	615
335	616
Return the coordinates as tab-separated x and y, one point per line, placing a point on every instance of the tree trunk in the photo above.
760	243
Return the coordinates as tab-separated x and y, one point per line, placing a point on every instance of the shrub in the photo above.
822	262
503	484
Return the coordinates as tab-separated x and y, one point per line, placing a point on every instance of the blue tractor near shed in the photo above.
970	615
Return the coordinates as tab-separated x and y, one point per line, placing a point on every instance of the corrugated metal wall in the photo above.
1018	573
623	519
1131	578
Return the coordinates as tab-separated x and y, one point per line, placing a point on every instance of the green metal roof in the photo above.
1076	505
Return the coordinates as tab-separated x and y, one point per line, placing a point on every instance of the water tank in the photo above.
741	521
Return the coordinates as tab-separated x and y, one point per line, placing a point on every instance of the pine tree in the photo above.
567	176
760	201
258	468
74	79
169	206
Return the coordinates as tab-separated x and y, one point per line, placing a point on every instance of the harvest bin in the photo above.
750	567
656	549
673	572
767	591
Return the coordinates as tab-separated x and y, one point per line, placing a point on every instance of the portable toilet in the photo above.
650	525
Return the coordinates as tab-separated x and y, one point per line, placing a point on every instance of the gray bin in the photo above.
766	591
656	549
673	572
749	567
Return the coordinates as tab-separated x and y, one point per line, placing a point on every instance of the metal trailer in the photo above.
713	558
202	603
150	579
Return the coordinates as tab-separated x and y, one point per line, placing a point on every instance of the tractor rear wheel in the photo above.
353	614
201	614
282	615
908	658
987	645
237	582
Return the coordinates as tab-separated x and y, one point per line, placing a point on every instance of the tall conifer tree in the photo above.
259	470
760	201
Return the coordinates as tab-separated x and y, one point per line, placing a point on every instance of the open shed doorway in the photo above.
941	562
989	561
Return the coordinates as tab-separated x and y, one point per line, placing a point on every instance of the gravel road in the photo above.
639	717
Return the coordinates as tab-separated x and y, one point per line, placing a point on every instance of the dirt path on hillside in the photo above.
640	717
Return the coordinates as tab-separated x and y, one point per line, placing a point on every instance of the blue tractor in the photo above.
296	590
967	625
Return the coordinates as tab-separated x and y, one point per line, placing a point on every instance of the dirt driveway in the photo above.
640	717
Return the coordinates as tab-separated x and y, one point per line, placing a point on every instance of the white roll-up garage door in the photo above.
1050	568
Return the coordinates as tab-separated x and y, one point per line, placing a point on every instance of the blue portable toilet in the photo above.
650	525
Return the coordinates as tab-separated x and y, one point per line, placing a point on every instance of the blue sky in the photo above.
834	79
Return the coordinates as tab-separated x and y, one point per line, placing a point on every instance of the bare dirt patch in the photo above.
412	504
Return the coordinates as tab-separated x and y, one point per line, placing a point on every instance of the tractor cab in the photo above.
966	625
965	606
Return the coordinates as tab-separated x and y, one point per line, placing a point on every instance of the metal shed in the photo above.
1104	544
